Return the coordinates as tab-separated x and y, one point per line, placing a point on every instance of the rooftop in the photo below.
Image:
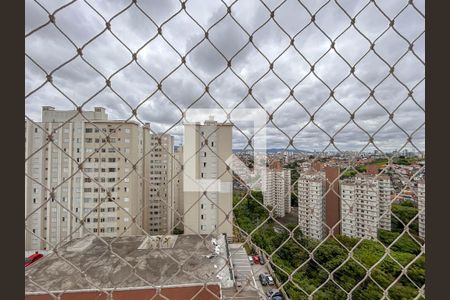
130	262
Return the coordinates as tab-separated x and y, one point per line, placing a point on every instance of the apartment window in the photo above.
35	130
88	130
204	164
112	159
212	144
202	217
204	154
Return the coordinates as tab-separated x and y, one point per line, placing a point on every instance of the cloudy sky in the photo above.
292	49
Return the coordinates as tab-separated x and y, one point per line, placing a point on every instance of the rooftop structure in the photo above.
132	263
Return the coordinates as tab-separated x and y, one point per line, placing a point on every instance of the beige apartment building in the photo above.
421	207
104	197
161	207
277	189
177	182
366	205
207	181
312	204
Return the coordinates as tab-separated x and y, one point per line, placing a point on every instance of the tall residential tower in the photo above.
208	185
88	168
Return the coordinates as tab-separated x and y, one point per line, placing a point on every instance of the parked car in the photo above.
270	279
263	279
274	294
32	258
250	259
262	260
256	259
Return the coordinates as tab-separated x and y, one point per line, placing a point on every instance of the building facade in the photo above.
312	204
87	175
366	205
332	195
178	188
421	207
385	193
277	189
161	205
207	180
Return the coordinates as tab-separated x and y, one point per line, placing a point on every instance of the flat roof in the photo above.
129	263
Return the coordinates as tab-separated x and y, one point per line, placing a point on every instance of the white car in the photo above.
250	259
270	279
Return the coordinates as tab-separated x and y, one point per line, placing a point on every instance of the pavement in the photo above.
248	274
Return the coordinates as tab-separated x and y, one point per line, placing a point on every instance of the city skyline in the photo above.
257	149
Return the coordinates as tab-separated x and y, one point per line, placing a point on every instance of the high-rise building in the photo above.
88	174
161	205
277	189
421	207
312	204
365	205
177	183
332	195
385	191
208	184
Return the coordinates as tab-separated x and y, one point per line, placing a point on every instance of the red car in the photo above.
256	259
32	258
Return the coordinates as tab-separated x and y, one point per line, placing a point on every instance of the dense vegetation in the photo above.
352	172
331	256
405	212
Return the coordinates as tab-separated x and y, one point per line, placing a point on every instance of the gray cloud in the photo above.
49	48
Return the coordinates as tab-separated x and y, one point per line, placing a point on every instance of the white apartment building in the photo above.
365	205
311	204
108	177
385	193
421	207
277	189
161	206
208	185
